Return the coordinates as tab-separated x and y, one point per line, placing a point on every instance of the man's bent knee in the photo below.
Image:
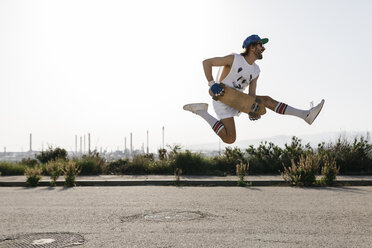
228	134
264	99
229	139
267	101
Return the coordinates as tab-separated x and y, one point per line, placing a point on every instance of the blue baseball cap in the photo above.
253	39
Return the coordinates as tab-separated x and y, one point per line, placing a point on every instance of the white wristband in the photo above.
210	83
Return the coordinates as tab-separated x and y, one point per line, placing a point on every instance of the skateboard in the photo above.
240	101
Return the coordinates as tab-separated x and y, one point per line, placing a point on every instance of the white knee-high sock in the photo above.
213	122
285	109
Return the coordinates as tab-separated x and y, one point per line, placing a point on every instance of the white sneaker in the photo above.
196	107
314	112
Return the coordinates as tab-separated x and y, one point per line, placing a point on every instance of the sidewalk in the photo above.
168	180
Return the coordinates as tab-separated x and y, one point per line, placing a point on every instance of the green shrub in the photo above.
177	174
29	162
266	159
55	170
70	170
241	172
329	172
302	173
163	167
52	154
226	164
352	157
33	175
192	163
138	165
162	154
12	168
117	167
174	150
91	164
234	155
149	156
295	151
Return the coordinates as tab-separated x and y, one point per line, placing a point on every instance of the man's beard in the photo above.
258	55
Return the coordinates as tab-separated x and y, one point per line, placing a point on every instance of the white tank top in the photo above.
241	73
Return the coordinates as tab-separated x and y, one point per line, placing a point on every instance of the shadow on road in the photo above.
356	190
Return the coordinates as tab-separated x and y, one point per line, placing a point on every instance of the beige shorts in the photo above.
224	111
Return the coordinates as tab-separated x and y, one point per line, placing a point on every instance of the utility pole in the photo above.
89	143
147	149
76	143
84	145
131	144
30	142
81	145
163	137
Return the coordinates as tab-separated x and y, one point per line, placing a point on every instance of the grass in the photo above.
12	169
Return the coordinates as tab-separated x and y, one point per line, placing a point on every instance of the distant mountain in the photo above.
280	140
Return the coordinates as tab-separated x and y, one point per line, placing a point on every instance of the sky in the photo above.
111	68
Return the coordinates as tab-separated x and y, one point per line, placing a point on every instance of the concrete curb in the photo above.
206	183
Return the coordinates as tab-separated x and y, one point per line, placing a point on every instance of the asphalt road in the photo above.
153	216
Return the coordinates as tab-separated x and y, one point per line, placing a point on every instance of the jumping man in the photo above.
239	72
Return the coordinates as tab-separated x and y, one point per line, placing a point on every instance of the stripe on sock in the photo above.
281	108
217	127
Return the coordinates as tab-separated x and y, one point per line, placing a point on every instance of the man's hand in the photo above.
254	116
217	89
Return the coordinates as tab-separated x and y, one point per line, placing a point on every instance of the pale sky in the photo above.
110	68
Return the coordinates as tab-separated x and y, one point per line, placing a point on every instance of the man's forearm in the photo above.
208	70
252	88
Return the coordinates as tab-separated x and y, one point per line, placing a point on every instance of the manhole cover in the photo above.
166	216
47	240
